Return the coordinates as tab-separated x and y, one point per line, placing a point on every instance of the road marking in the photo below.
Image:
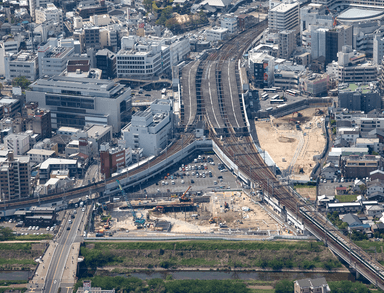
62	250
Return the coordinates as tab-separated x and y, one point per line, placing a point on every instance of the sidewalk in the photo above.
69	275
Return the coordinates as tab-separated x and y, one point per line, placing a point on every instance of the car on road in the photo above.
68	228
192	181
47	229
83	209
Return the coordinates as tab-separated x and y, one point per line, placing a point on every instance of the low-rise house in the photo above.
318	285
329	171
322	200
354	223
374	210
345	207
341	190
379	227
375	186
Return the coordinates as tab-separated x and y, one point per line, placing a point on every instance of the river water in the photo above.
223	275
14	275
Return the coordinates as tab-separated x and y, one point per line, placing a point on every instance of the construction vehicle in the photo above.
226	205
214	220
318	112
139	222
159	209
334	18
183	197
106	225
174	196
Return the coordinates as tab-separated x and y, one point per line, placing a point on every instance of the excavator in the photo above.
139	222
107	226
184	197
159	209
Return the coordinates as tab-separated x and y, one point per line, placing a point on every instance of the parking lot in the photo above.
328	188
182	179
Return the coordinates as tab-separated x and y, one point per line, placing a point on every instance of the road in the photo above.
59	258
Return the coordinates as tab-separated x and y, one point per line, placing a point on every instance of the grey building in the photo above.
106	61
359	98
76	102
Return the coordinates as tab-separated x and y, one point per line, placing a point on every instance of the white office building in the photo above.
77	101
150	129
229	22
216	34
18	143
141	58
36	4
284	17
22	64
314	14
53	59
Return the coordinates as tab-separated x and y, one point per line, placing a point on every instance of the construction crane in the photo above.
334	18
184	197
138	221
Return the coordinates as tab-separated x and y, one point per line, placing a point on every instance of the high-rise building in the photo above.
284	17
106	61
378	49
287	43
14	177
50	14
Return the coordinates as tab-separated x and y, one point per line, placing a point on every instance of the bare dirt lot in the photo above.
241	214
290	147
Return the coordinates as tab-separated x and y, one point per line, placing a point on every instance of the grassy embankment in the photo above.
18	256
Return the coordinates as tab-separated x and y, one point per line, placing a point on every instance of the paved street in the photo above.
60	251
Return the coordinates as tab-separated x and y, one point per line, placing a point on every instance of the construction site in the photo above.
214	212
293	140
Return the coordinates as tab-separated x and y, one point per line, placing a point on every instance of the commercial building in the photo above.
261	69
86	11
92	37
359	97
40	155
14	177
352	67
336	38
216	34
37	216
23	63
141	58
314	14
106	61
331	3
54	164
366	124
18	143
150	129
284	17
316	84
287	43
76	102
113	159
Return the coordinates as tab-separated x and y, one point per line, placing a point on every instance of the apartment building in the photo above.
54	164
287	43
77	101
359	98
14	177
284	16
261	68
229	22
23	63
38	156
50	14
17	143
360	166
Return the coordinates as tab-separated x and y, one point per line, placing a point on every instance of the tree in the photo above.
6	234
147	5
363	188
284	286
21	81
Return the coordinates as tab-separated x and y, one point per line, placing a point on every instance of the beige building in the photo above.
287	43
14	177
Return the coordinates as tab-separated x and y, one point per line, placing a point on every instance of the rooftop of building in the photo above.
57	161
40	152
98	130
284	7
359	14
218	29
354	87
24	56
58	52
